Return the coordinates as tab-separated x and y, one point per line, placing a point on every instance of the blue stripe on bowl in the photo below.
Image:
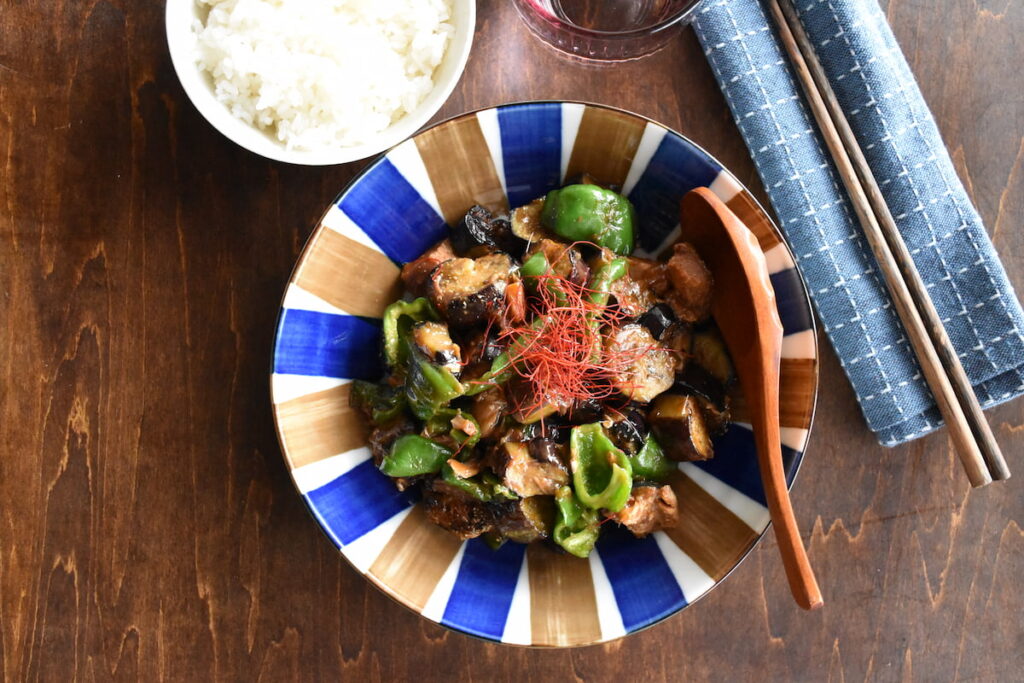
482	595
392	213
735	462
791	302
531	142
789	458
676	168
357	502
644	586
327	345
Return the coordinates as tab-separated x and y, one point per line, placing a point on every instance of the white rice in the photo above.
321	74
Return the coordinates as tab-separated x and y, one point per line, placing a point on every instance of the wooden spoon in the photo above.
744	309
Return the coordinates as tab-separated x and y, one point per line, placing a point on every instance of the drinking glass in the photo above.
607	30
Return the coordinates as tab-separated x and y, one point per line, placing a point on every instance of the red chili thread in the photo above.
557	357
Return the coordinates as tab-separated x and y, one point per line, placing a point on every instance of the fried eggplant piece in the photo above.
526	223
547	449
471	291
416	274
478	228
659	320
632	297
481	345
716	416
710	353
627	428
585	411
526	520
529	406
679	338
696	381
679	426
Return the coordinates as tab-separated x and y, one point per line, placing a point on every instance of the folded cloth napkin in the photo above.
940	226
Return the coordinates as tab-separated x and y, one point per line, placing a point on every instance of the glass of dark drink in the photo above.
607	30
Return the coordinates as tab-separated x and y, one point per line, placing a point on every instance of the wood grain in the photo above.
148	527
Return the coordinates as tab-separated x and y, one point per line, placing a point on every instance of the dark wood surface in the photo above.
148	527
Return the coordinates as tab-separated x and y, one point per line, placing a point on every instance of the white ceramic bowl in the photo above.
198	85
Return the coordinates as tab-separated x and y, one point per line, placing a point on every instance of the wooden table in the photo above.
148	527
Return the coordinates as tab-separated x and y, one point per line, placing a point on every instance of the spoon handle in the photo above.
769	455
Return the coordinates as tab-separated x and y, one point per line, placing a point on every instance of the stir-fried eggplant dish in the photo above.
543	381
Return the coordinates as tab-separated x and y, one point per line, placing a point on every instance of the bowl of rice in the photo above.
319	82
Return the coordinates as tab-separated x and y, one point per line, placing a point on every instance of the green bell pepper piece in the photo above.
590	213
650	461
383	402
534	267
602	474
412	455
484	487
602	279
501	370
499	490
470	486
398	320
494	539
429	387
576	527
600	291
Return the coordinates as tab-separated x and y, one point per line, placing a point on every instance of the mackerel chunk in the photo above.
692	284
649	509
528	475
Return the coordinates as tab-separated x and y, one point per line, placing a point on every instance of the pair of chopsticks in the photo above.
972	437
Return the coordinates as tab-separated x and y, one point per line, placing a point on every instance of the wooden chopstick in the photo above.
972	437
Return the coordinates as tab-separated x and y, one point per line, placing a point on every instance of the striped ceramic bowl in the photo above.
328	333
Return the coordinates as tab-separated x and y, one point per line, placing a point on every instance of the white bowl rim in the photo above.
178	18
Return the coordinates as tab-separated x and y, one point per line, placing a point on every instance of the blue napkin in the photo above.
940	226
